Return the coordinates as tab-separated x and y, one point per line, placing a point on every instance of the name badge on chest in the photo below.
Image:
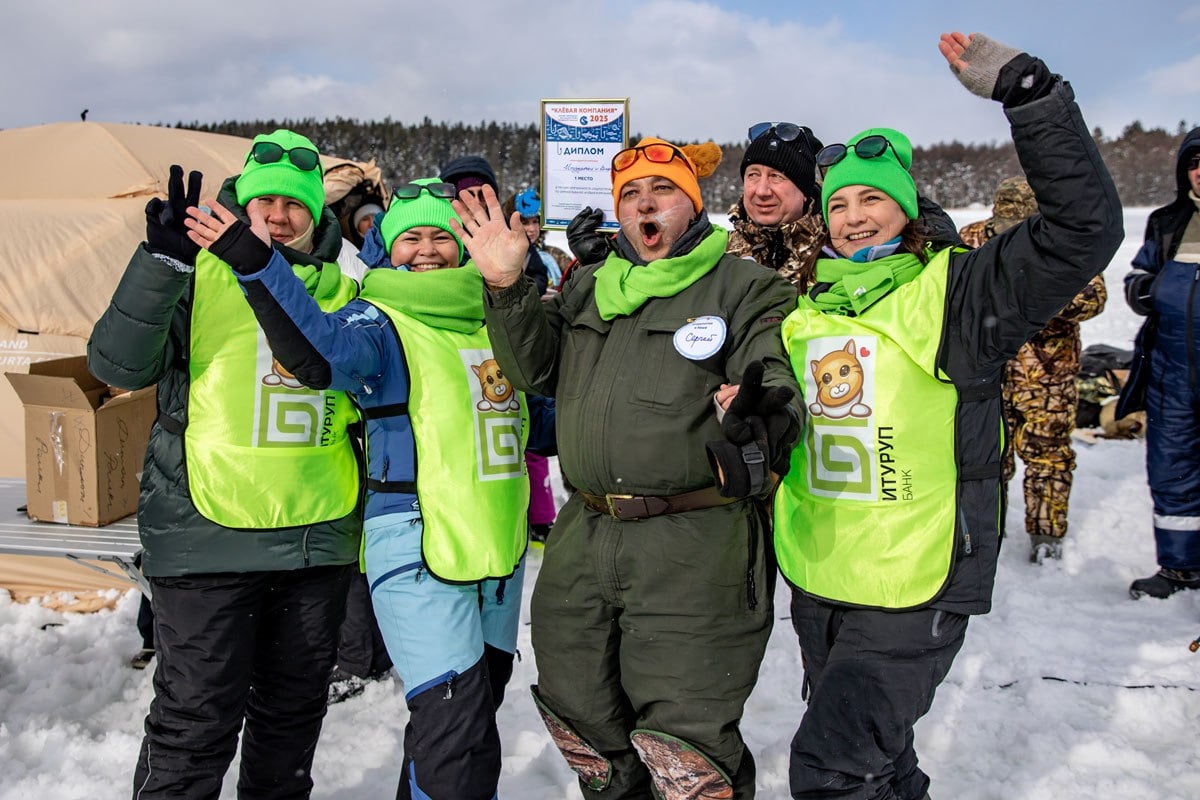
700	338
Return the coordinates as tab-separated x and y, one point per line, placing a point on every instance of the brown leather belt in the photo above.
630	507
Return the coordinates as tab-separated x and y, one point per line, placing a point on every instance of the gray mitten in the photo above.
985	57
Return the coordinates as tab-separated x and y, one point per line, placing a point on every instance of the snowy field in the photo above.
1067	690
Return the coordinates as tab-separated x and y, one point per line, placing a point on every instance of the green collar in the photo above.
450	299
623	287
846	287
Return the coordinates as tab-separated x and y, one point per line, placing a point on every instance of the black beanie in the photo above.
793	159
469	167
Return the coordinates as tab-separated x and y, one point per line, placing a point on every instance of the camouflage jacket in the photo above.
791	249
1053	352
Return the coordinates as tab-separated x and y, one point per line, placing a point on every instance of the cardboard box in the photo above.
84	443
19	349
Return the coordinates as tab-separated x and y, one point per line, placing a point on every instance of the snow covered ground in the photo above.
1067	690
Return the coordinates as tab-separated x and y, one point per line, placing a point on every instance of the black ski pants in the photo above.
872	674
232	648
361	651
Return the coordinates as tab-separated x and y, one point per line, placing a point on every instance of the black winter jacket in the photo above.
1003	293
143	339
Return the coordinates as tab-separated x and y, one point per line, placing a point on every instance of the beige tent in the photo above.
72	210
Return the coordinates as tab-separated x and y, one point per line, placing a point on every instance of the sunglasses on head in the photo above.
868	147
302	158
784	132
657	153
411	191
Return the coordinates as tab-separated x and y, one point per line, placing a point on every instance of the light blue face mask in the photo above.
878	251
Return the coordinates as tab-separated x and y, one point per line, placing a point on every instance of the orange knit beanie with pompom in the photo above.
697	161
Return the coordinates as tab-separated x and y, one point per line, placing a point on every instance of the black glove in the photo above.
241	249
165	232
588	244
1139	292
759	419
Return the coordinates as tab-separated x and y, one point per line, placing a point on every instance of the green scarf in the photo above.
319	282
622	287
450	299
855	287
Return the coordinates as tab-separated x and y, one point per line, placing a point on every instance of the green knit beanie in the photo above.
282	177
424	209
887	172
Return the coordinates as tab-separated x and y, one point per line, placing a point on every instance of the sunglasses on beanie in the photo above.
784	132
303	158
868	147
411	191
657	153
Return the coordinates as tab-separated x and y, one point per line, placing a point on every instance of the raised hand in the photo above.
498	249
952	46
166	220
587	243
246	248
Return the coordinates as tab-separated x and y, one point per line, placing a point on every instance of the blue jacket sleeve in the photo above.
345	349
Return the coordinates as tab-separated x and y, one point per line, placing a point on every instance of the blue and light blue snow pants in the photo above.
452	645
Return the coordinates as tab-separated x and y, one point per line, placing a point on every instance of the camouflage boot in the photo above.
1043	547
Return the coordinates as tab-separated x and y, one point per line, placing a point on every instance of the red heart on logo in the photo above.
864	352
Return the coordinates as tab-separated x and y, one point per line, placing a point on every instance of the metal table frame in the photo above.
116	543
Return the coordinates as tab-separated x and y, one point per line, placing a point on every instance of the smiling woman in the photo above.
886	523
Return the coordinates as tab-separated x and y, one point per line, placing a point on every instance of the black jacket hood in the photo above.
1187	148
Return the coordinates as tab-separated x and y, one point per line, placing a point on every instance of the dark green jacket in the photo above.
634	414
143	339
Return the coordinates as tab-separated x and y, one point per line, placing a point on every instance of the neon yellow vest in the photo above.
472	485
866	514
262	451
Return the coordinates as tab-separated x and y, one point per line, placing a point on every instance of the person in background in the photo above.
653	605
145	625
362	656
528	204
249	514
542	509
470	174
776	221
1164	287
1040	396
443	424
364	217
886	522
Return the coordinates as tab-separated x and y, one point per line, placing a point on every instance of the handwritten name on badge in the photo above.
700	338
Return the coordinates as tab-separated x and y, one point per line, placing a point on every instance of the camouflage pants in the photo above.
1039	414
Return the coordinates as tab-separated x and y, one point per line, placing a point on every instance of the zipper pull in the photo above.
449	689
417	579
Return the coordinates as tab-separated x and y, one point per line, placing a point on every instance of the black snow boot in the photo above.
1164	583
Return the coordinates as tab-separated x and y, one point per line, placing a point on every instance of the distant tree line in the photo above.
954	174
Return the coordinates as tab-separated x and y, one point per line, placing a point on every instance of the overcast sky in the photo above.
691	70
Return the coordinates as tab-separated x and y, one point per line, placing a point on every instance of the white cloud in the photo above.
1177	79
692	70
